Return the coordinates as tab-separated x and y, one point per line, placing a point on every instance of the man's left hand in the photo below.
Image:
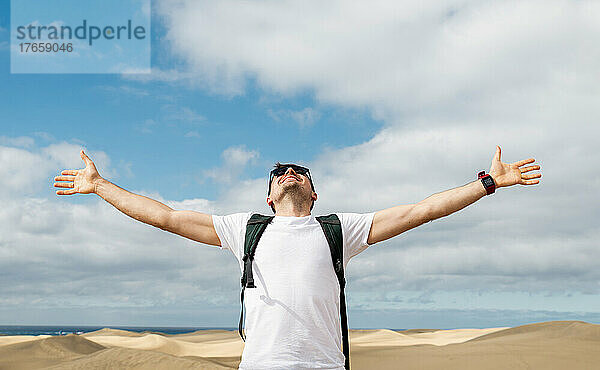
505	174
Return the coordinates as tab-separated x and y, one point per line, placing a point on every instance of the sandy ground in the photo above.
569	345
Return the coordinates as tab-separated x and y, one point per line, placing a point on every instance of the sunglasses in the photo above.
279	171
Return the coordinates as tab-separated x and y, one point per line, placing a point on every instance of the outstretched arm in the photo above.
190	224
396	220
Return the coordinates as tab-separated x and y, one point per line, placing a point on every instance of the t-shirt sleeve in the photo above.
231	230
355	230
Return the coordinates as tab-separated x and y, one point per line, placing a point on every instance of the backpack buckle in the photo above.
248	278
338	266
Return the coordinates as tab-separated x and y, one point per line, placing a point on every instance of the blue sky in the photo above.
94	47
143	129
386	104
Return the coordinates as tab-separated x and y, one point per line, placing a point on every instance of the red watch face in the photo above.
488	182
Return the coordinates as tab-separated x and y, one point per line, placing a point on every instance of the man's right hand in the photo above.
81	181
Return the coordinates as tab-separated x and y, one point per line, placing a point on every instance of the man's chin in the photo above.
290	185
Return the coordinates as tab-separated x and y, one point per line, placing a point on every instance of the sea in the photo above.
64	330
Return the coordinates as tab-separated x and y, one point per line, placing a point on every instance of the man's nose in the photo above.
290	171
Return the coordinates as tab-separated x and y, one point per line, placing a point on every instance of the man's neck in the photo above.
291	210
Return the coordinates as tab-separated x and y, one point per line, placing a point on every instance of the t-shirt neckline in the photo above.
294	221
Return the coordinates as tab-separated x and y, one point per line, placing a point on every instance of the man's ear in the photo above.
269	202
314	196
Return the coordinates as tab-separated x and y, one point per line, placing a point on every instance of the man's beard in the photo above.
295	193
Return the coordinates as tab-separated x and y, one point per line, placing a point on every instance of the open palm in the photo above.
507	174
80	181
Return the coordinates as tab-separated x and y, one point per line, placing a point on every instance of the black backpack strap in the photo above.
254	229
333	233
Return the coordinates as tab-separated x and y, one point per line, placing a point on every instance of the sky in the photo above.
88	29
387	103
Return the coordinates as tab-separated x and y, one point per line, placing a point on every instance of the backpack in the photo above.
333	233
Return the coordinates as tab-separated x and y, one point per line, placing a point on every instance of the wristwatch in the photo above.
487	181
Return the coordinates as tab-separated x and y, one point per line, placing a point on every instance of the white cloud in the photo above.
396	58
45	136
239	156
235	159
61	252
107	257
67	155
20	171
21	141
304	117
400	166
25	171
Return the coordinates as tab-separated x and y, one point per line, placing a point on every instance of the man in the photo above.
293	314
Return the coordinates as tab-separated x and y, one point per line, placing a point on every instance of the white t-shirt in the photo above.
292	316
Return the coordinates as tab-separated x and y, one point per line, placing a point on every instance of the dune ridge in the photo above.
576	330
552	345
43	352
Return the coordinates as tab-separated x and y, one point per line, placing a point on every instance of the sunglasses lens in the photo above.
300	170
279	171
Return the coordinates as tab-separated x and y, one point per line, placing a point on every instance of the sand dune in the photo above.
569	345
370	338
125	358
45	352
210	344
576	330
548	346
113	332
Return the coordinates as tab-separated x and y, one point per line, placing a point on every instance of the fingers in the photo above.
64	178
69	172
532	176
64	184
527	179
524	161
529	168
69	184
498	153
66	192
530	182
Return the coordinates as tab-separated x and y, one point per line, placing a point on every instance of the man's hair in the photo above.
279	165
